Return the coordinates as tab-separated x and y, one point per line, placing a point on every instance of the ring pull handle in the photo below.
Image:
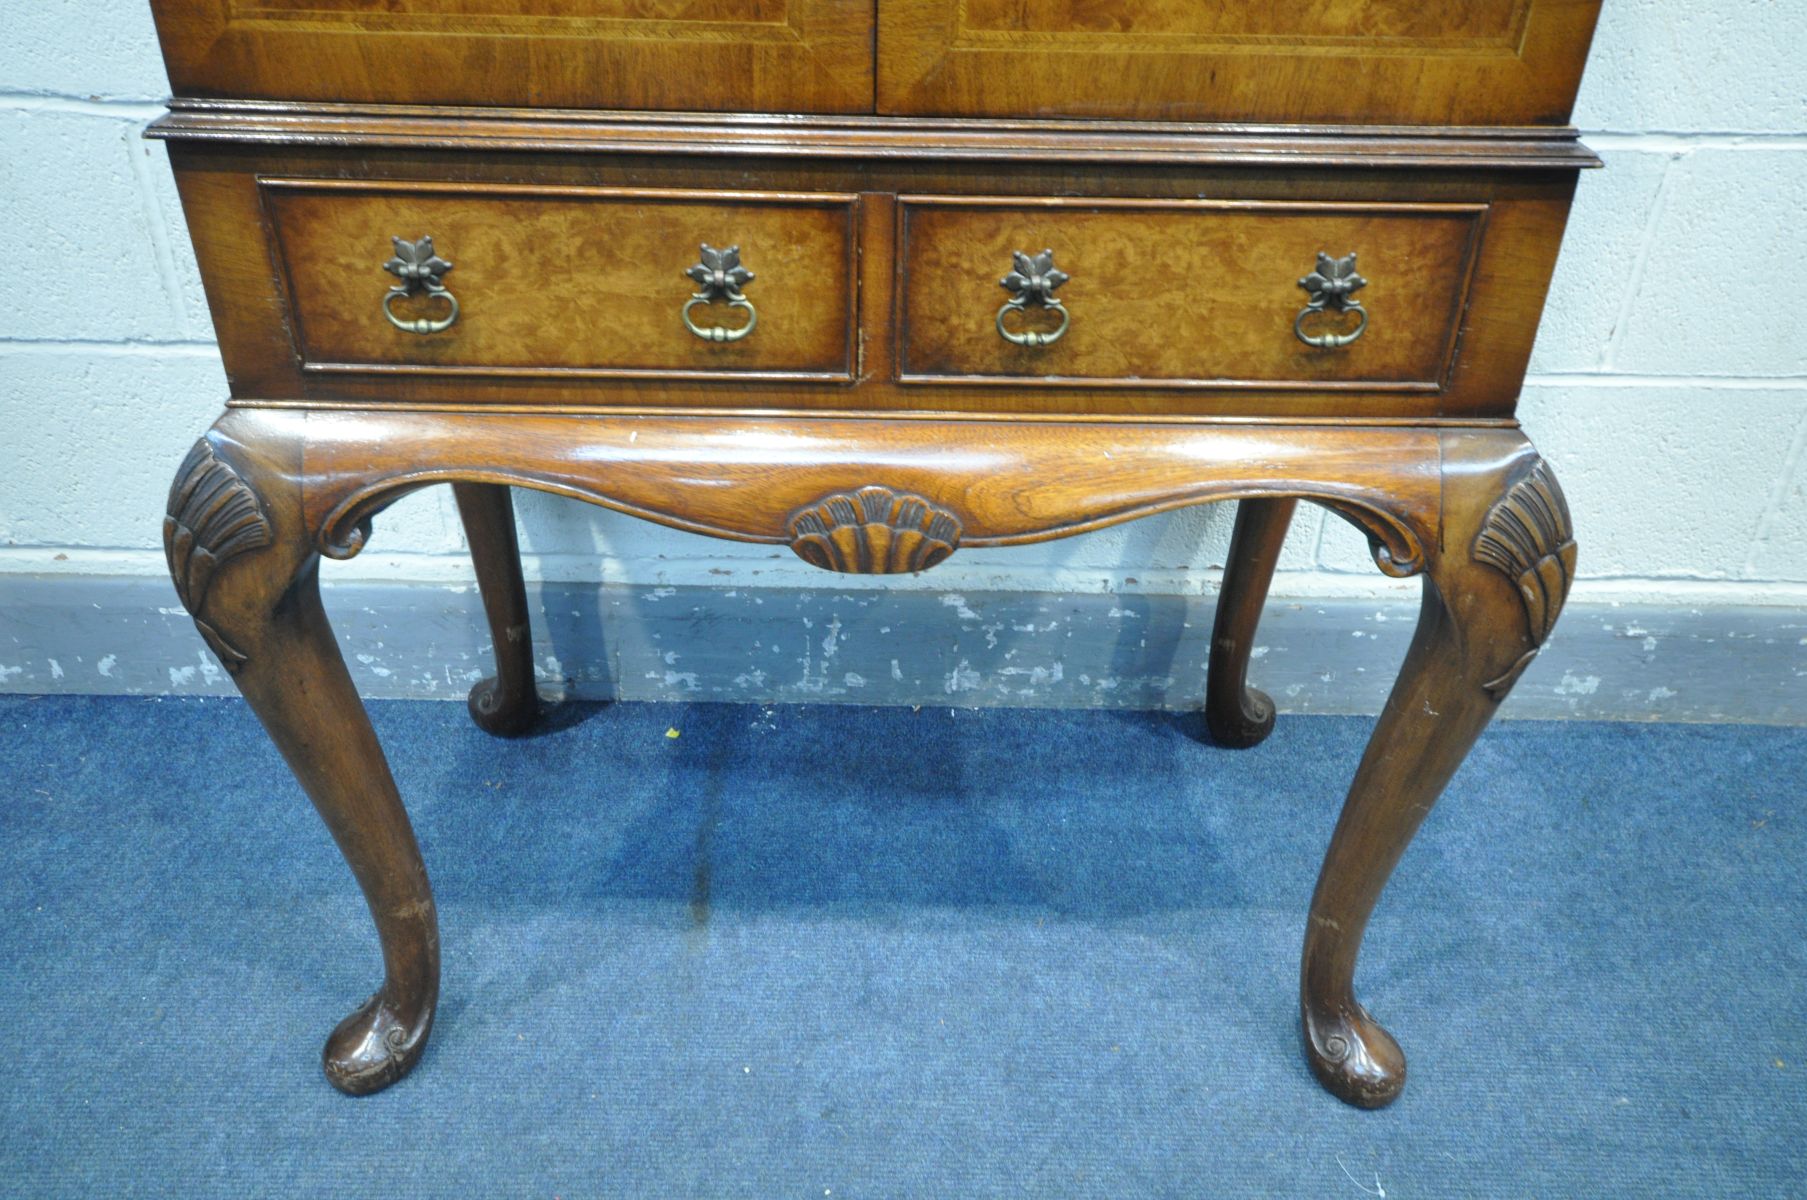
719	277
1034	281
1332	289
421	272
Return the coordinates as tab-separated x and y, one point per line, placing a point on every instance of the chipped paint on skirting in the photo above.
63	633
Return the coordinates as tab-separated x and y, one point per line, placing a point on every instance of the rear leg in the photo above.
507	703
1238	715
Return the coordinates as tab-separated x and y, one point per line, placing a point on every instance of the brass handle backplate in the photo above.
719	277
1034	281
421	272
1332	289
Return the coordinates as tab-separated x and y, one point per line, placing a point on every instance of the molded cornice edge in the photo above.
897	138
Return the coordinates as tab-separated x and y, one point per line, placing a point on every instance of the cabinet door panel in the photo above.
696	55
1419	62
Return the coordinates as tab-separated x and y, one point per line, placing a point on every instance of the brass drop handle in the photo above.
421	272
719	277
1332	288
1034	281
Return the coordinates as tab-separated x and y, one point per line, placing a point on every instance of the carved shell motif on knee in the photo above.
1528	538
213	516
874	531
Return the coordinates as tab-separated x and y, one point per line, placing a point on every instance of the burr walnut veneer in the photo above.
875	281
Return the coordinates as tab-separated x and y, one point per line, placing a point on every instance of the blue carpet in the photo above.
841	952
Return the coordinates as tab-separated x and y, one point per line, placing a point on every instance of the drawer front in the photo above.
1196	294
1409	62
566	282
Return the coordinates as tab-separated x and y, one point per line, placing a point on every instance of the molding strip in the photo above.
1118	143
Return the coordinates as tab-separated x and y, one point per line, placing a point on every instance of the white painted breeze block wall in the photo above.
1669	386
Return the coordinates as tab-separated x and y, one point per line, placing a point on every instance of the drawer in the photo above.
1195	294
566	282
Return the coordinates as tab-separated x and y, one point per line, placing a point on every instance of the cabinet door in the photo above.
1416	62
697	55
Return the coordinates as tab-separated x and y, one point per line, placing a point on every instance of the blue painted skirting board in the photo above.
909	646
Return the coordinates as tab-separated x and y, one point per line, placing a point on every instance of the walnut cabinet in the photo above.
875	281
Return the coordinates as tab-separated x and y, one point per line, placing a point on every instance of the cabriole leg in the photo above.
245	567
506	704
1238	715
1492	591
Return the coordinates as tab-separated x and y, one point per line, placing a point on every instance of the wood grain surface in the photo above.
1429	62
1182	293
746	478
275	352
715	55
568	282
